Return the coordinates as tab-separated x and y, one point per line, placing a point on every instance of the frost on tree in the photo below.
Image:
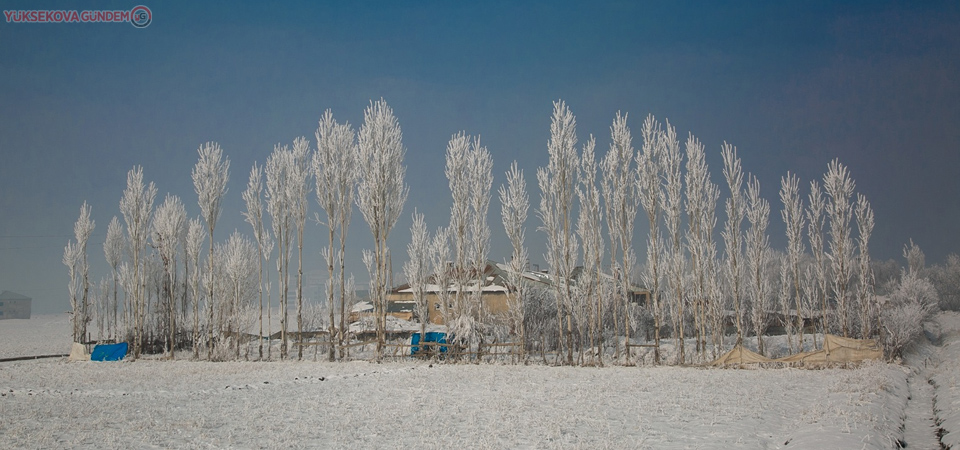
113	248
651	193
335	172
381	193
417	268
253	198
590	230
136	204
702	196
75	258
515	204
621	199
210	176
557	182
469	173
839	188
733	234
168	224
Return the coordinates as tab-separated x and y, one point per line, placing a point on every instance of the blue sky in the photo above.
791	84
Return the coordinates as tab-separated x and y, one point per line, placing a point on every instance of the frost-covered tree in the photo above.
82	230
440	259
417	268
792	215
733	234
113	246
916	260
335	170
620	194
702	196
515	203
816	220
253	198
758	245
674	252
210	176
866	306
652	197
839	187
238	256
590	230
71	259
281	211
196	235
298	189
911	303
381	193
468	170
481	180
136	205
168	223
557	182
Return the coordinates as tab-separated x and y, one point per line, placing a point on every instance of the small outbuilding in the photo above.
14	306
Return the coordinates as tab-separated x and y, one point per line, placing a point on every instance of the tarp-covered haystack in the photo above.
740	355
836	350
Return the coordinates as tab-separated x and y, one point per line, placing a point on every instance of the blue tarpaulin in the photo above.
431	336
109	352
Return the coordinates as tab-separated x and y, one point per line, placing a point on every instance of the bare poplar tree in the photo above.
71	259
758	245
298	189
277	170
867	309
732	232
210	176
168	224
457	171
557	182
590	230
514	204
113	247
417	269
440	256
652	197
82	229
136	204
816	220
196	235
702	197
335	170
839	187
784	300
238	255
381	193
252	197
620	194
792	215
675	252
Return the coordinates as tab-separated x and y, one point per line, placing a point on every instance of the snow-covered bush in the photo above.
910	304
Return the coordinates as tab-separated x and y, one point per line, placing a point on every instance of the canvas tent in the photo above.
836	350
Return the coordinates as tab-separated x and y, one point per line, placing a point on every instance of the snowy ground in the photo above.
55	403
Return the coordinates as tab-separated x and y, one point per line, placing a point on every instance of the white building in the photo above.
14	306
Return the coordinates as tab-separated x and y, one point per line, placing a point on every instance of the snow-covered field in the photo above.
149	403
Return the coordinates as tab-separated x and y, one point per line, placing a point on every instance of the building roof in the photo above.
7	295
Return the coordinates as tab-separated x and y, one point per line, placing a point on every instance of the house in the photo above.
496	292
14	306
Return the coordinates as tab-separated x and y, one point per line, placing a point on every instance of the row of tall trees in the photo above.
589	305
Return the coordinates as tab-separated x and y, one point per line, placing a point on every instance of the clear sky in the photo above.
791	84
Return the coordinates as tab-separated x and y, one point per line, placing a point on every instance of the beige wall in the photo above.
495	303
